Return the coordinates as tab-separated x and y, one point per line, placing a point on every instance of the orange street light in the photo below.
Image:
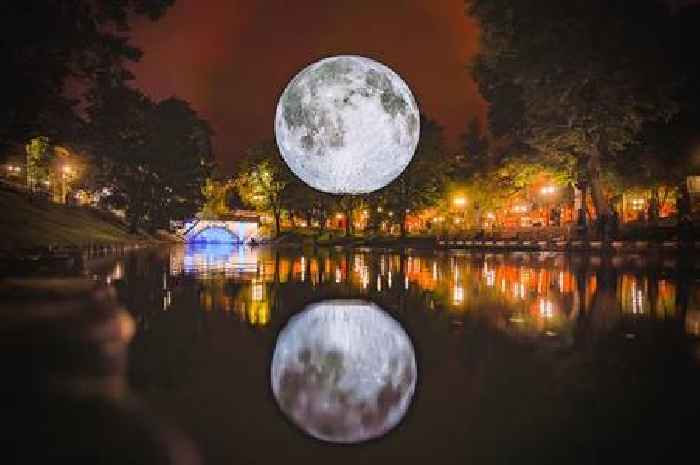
547	190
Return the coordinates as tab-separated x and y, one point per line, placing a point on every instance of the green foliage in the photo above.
215	195
262	178
39	152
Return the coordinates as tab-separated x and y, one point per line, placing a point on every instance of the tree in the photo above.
38	159
153	157
180	151
216	196
299	199
579	78
348	204
52	47
661	163
422	182
475	154
262	178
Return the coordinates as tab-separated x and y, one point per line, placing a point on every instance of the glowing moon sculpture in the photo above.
344	371
347	125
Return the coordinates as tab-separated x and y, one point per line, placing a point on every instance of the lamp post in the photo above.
547	191
64	177
461	202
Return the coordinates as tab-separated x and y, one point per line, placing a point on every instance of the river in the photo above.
522	357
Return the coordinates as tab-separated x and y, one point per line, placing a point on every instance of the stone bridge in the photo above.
238	231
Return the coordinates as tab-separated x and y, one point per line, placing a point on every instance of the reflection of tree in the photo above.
402	280
275	287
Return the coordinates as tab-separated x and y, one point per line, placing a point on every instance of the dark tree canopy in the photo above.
154	157
578	78
423	182
50	48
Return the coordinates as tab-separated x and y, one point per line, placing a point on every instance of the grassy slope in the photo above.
25	223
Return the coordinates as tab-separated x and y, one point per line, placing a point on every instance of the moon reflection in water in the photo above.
344	371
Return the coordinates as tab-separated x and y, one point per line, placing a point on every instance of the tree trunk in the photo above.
580	196
348	222
402	223
654	206
602	207
277	214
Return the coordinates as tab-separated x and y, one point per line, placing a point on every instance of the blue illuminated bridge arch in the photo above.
220	231
215	235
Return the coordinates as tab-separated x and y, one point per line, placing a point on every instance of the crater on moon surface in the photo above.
347	125
344	371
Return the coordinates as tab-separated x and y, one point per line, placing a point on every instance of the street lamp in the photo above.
461	202
546	192
66	172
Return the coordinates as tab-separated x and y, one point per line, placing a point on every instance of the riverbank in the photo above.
328	239
503	242
34	224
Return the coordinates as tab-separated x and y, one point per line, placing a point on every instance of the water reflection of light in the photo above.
637	299
257	290
259	314
519	295
203	259
561	281
489	274
490	278
116	273
167	300
692	322
357	263
546	308
519	290
365	277
313	269
458	295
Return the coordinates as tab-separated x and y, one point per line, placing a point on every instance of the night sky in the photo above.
231	59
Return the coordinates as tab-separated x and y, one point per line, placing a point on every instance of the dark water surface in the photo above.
522	357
